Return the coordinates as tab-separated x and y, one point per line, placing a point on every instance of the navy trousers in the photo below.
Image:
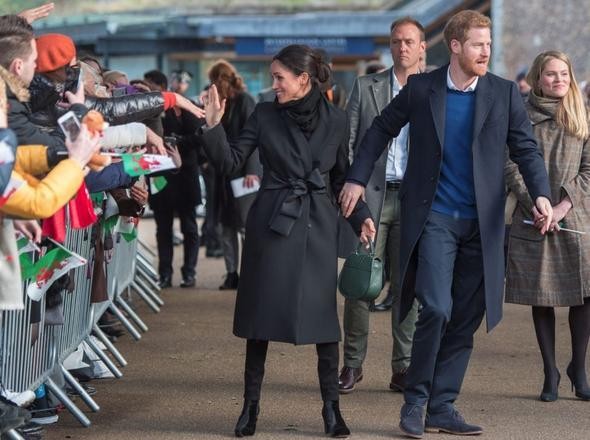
449	287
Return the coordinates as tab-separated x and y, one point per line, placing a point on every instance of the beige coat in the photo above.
551	270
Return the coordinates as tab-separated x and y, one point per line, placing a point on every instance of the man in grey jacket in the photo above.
371	93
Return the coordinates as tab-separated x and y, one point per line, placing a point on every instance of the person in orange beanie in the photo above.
54	52
58	72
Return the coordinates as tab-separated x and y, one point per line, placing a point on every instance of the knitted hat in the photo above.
54	51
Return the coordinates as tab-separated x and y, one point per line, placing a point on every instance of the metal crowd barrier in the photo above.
120	272
30	354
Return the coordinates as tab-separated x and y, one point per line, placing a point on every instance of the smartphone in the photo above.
70	125
74	79
80	82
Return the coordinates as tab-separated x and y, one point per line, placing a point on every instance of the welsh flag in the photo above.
11	188
157	184
140	164
110	223
25	247
127	227
49	268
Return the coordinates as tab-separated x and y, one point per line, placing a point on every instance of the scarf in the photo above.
544	104
304	112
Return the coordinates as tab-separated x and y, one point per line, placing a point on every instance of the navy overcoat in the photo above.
500	120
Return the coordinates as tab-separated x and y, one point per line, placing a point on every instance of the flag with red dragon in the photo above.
49	268
141	164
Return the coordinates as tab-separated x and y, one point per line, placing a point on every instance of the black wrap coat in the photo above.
233	211
287	289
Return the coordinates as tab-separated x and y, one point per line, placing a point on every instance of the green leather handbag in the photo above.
361	277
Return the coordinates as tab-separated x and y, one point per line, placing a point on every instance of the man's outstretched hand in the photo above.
349	196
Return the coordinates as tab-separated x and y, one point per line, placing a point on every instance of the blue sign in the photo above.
332	45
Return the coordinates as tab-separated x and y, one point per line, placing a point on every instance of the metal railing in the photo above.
30	354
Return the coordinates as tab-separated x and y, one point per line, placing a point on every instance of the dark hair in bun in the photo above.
299	58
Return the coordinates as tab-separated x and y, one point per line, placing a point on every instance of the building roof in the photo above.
164	24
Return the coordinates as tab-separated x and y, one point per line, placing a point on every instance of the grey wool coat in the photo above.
551	270
370	95
287	289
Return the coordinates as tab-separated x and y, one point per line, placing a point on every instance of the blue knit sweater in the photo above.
455	194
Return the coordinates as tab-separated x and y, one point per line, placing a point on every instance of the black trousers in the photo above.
164	216
449	287
211	231
327	369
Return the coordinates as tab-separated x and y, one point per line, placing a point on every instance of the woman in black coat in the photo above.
287	289
232	211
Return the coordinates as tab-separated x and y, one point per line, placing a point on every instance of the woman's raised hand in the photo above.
214	109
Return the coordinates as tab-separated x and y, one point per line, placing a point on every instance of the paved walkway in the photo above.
184	380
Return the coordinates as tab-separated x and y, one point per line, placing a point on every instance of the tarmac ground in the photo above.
184	379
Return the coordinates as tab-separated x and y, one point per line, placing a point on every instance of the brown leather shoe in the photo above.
398	380
349	377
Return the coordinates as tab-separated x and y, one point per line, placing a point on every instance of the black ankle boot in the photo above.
334	424
247	421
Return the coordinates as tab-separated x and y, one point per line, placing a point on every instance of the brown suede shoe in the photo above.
349	377
398	381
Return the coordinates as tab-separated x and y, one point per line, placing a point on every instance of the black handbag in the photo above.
361	277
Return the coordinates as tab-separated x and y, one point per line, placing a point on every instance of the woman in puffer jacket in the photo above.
58	71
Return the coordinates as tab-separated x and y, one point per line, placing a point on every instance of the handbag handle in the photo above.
371	248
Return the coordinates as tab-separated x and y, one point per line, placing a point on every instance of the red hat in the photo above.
54	51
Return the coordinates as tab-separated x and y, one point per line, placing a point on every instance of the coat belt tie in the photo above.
291	208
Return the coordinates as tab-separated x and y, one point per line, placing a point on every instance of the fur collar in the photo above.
15	85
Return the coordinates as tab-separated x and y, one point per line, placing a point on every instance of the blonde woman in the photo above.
547	271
